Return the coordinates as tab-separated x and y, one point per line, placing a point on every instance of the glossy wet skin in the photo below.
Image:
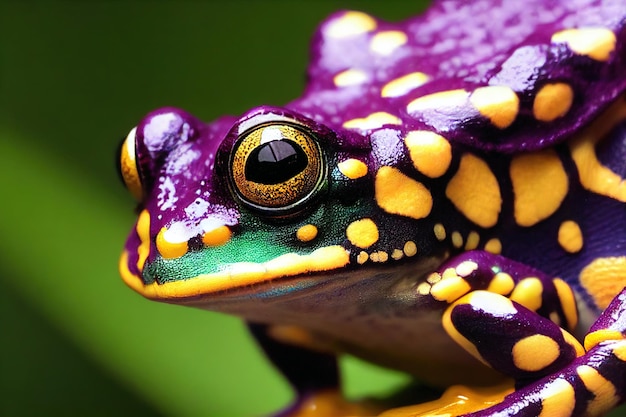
410	146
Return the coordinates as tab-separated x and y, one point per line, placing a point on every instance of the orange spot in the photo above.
430	153
553	101
604	278
362	233
217	236
306	233
475	192
499	104
398	194
596	43
539	183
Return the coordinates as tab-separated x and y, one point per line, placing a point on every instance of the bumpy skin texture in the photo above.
446	198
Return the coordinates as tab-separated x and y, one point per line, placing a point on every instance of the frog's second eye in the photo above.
128	165
276	168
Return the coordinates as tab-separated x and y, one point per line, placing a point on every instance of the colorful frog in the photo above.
447	198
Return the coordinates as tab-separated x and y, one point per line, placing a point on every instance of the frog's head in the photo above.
241	202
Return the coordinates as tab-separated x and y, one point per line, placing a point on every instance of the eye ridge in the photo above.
275	162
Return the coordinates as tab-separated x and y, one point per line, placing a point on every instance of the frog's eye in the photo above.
276	168
128	165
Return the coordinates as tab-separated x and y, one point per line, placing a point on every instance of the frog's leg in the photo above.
591	385
479	270
314	376
553	373
498	310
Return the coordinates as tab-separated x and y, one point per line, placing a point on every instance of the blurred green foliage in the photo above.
74	78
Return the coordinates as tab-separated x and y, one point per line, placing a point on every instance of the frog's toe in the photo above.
611	325
592	385
455	401
329	403
508	337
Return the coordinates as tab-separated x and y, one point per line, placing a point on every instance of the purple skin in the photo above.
381	277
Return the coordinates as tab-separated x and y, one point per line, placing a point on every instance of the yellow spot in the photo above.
430	153
143	231
306	233
596	43
423	288
558	399
573	342
457	239
352	168
568	302
169	246
553	101
494	246
604	278
350	77
440	232
410	248
384	43
362	257
475	192
449	273
350	24
473	239
397	254
380	256
442	100
528	293
362	233
535	352
570	236
593	339
604	392
466	268
398	194
401	86
434	278
373	121
502	283
539	183
619	350
450	289
593	175
499	104
216	237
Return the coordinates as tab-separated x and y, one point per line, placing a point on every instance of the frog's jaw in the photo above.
237	275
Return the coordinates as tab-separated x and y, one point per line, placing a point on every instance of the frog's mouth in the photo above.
184	285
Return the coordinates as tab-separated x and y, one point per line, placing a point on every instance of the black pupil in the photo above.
275	162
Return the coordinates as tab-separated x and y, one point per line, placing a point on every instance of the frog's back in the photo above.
482	74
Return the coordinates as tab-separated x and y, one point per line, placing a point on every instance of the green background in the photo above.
74	78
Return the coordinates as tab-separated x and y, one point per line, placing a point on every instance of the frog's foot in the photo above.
479	270
329	403
456	401
509	337
514	340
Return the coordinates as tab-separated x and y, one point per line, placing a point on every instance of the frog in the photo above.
446	198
